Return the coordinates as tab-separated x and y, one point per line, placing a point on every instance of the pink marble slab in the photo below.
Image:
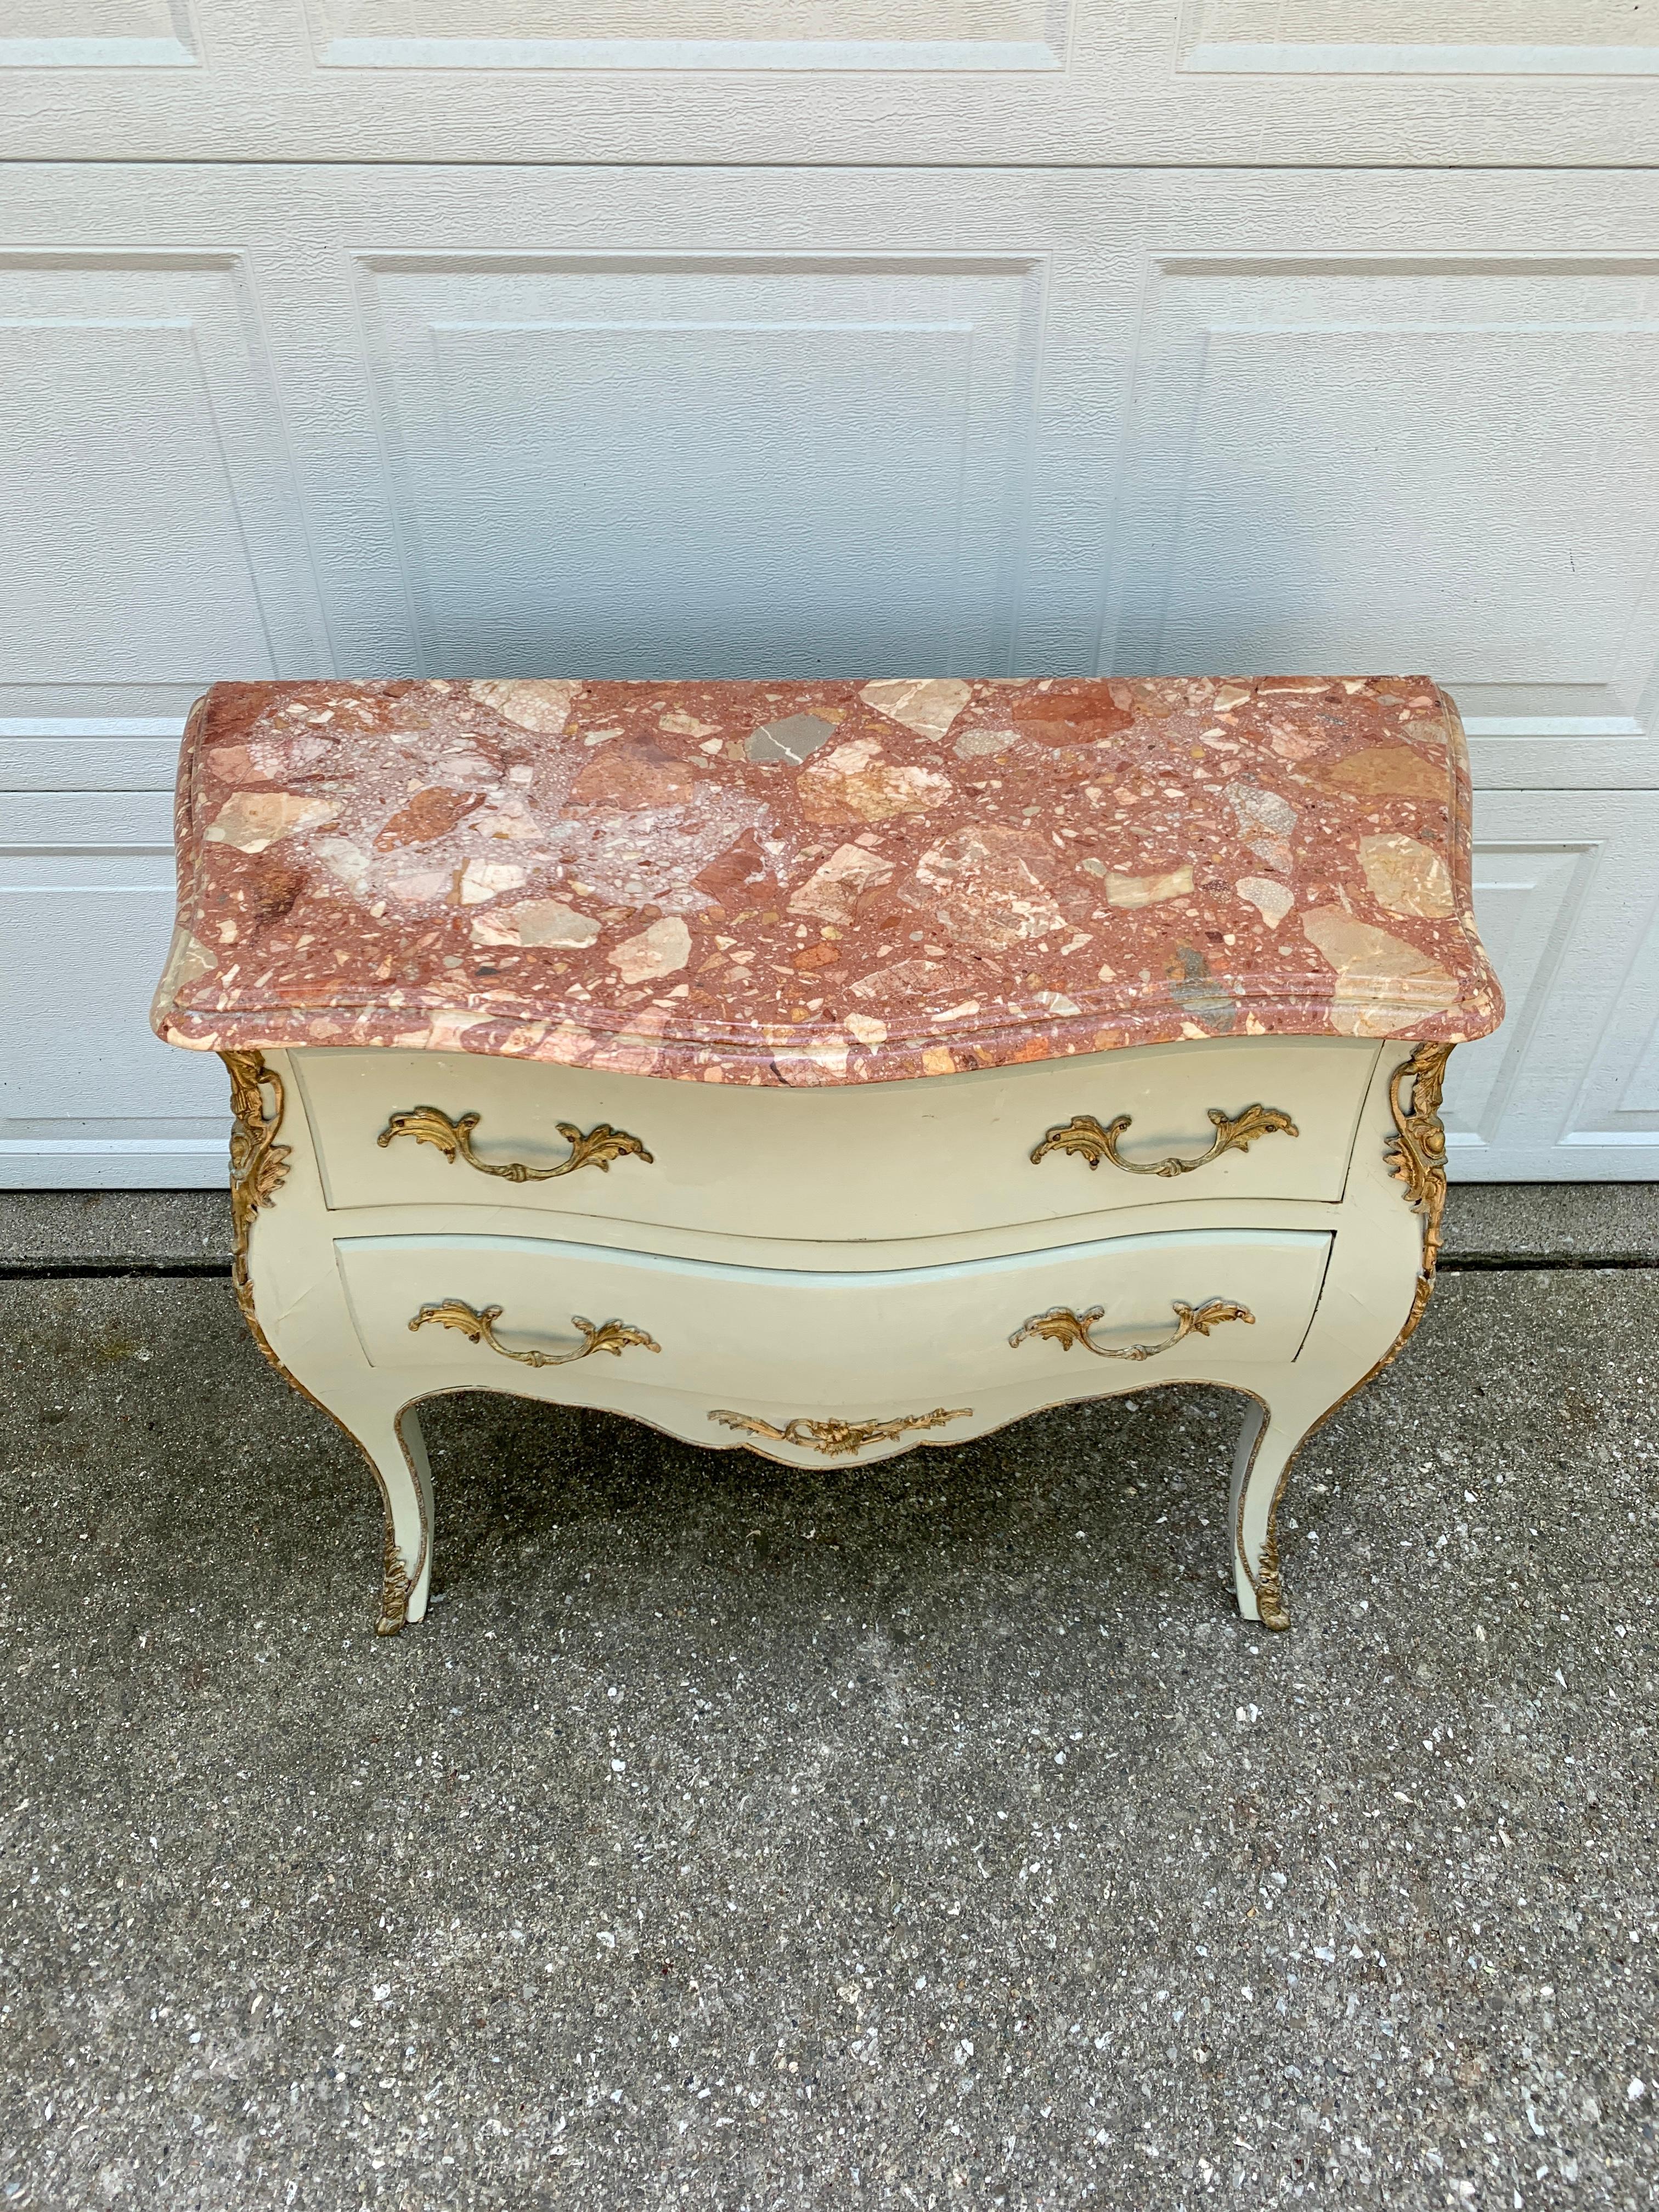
819	883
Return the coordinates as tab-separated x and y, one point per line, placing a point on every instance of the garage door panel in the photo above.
695	35
1419	37
1567	898
970	83
733	444
88	1097
97	34
152	525
1324	470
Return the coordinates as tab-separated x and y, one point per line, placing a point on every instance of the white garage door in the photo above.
982	405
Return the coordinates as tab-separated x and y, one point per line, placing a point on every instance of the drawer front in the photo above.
866	1162
451	1311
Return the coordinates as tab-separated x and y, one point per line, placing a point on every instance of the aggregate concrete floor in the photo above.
930	1837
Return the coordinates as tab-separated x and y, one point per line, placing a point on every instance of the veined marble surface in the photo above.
811	883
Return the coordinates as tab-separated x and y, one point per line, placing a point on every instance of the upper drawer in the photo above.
886	1160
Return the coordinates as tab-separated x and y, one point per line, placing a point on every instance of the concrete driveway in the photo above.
928	1837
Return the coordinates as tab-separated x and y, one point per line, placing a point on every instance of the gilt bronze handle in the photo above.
479	1324
1060	1325
1233	1132
430	1125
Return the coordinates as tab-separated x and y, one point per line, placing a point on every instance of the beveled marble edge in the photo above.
645	1052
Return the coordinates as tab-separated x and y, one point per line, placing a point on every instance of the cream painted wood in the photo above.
874	1161
1161	414
787	1329
1401	82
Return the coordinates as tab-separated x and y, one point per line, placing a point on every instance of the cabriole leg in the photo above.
395	1449
1267	1445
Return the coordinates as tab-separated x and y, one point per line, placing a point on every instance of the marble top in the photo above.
818	883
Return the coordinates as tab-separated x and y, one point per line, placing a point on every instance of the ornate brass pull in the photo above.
430	1125
1233	1132
831	1437
1061	1326
479	1324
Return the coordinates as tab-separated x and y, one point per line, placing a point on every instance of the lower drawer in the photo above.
494	1311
